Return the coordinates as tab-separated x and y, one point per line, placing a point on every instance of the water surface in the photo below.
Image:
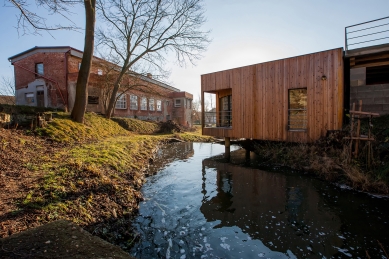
197	207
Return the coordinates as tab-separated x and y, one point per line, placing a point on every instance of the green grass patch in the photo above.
63	129
138	126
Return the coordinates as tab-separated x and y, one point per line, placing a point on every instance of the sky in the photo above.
243	32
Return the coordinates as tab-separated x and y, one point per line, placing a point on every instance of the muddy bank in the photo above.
59	239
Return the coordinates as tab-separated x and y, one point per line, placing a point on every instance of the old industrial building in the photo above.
47	76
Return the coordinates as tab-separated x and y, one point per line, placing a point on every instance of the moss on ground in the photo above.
63	129
138	126
89	173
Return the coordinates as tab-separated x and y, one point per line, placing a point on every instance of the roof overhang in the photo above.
367	50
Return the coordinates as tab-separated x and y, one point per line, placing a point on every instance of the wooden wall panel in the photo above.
260	96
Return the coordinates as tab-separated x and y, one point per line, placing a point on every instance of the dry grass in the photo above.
327	161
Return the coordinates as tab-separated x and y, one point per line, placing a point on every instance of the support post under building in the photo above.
227	145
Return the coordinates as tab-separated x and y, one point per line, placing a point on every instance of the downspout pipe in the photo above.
49	79
67	53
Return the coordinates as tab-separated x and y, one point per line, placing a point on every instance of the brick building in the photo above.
47	76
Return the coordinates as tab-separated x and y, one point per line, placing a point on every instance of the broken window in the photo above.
133	102
159	105
143	104
151	105
297	110
121	102
377	75
93	99
39	69
30	98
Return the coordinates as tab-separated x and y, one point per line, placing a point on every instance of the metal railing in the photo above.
367	34
222	119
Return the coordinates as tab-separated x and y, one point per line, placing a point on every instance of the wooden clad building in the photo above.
294	99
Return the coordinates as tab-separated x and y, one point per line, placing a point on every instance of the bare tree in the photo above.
7	91
139	33
196	110
32	22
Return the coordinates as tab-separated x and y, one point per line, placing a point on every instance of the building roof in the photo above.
77	53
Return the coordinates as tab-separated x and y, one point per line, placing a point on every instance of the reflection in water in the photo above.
273	208
203	208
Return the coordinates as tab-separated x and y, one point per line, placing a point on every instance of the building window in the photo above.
30	98
93	99
133	102
39	69
100	72
121	102
177	103
143	104
151	105
167	103
297	110
159	105
189	103
377	75
79	66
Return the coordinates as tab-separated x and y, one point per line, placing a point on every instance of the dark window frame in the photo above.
93	99
37	65
377	75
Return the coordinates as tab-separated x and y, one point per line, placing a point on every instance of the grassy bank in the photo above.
90	174
329	158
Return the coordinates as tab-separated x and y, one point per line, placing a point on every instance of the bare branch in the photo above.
141	33
31	22
7	91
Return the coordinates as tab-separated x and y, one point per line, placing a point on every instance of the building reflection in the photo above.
282	211
176	151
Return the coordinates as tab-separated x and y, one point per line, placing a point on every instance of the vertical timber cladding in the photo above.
260	96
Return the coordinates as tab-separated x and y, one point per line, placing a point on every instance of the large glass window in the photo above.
143	104
297	110
226	111
121	102
133	102
151	105
159	105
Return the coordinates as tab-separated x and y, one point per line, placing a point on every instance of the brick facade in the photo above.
56	87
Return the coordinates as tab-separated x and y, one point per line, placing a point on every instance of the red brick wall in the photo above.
153	92
54	68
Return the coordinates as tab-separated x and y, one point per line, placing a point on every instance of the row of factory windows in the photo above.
147	104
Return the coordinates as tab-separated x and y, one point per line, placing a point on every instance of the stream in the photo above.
199	206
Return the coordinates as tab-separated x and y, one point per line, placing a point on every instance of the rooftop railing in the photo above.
222	119
366	34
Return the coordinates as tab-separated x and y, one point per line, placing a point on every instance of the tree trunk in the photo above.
81	99
112	99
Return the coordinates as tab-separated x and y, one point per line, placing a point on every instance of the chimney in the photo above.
149	75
